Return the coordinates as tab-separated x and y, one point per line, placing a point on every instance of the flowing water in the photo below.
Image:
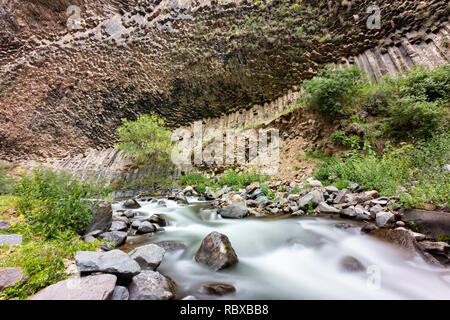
295	258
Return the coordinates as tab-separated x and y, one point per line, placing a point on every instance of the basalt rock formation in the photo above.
70	74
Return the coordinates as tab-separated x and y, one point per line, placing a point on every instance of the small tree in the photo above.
145	139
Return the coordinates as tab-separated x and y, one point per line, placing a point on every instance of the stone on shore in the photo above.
120	293
115	262
11	239
325	208
95	287
314	197
9	277
383	217
116	237
151	285
149	256
101	219
131	204
236	210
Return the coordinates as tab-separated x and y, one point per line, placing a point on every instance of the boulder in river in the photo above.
351	264
439	250
95	287
400	238
115	262
217	288
149	256
146	227
433	223
216	252
236	210
131	204
151	285
171	245
159	219
118	226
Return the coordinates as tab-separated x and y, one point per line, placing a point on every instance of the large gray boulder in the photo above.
101	219
149	256
116	237
314	197
325	208
216	252
236	210
434	223
383	217
151	285
115	262
146	227
95	287
131	204
9	277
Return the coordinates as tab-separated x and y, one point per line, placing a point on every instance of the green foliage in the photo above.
444	237
338	137
145	139
201	188
241	180
266	191
54	202
333	90
193	178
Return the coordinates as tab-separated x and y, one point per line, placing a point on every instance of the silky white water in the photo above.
295	258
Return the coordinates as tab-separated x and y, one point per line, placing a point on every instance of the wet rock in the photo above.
117	217
95	287
101	219
216	252
115	262
383	217
120	293
9	277
170	246
118	226
135	224
116	237
151	285
131	204
11	239
325	208
209	194
105	246
236	210
400	238
351	264
218	289
189	191
432	223
343	225
149	256
416	235
368	228
129	214
146	227
314	197
159	219
439	250
181	198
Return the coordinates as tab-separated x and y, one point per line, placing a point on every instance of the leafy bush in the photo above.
410	117
266	191
241	180
145	139
54	202
193	178
338	137
333	90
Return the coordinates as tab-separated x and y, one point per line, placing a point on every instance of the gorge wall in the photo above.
63	92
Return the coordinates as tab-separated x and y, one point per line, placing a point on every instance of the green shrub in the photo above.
6	183
241	180
194	178
54	202
201	188
266	191
333	90
411	118
338	137
145	140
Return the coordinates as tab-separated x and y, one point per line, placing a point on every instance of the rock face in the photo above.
95	287
236	210
218	289
115	262
151	285
101	219
148	256
216	252
10	276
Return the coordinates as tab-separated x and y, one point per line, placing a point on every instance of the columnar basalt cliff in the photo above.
64	91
